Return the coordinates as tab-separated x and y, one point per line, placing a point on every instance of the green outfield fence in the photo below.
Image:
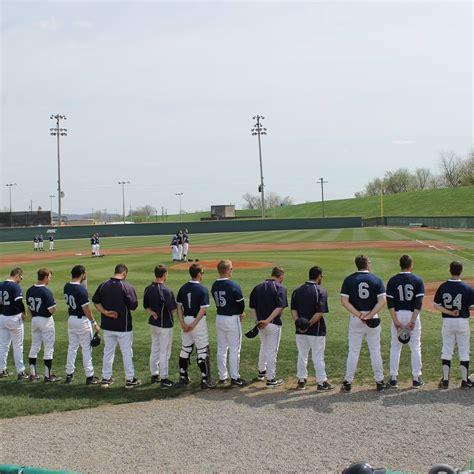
461	222
121	230
16	469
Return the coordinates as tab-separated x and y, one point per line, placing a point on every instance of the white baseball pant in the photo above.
269	343
42	331
199	336
179	254
80	334
51	245
174	252
185	249
161	343
96	249
41	245
317	344
229	338
12	332
357	331
35	246
125	341
415	345
455	330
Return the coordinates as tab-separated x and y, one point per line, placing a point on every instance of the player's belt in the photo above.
75	316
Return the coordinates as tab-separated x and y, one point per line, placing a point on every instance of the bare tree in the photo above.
468	170
422	178
272	200
451	168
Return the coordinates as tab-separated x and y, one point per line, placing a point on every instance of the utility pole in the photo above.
322	182
51	196
180	209
10	186
123	183
59	132
259	130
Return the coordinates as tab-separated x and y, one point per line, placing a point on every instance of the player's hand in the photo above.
411	325
111	314
263	324
242	316
153	315
455	312
96	327
397	324
23	316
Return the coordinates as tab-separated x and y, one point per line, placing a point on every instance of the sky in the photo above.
162	94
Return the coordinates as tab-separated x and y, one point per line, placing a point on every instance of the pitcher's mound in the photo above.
212	264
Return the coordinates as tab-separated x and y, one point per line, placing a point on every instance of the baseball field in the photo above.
253	255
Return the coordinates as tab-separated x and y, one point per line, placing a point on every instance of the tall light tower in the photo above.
123	183
10	186
51	196
180	209
59	132
258	130
322	182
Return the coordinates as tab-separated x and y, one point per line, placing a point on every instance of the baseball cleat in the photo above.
155	379
238	382
4	373
222	382
107	382
261	374
443	384
393	383
23	376
466	384
208	384
32	377
381	386
417	383
325	386
69	378
166	383
301	385
274	383
346	387
92	380
132	383
52	378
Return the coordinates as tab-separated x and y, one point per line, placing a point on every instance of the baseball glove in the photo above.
252	333
404	335
302	325
95	341
373	323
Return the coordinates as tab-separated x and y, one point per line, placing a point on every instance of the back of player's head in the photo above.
43	273
406	262
17	271
455	268
78	271
362	262
195	269
314	272
160	271
223	266
120	268
277	272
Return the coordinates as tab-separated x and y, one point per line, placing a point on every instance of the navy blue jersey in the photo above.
405	292
186	238
363	289
228	297
160	299
40	300
267	296
76	297
174	240
11	296
40	238
179	239
51	238
35	239
193	296
455	294
309	299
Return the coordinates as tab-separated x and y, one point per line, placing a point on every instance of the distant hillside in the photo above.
434	202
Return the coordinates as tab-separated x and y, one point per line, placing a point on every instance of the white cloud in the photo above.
50	24
403	142
83	24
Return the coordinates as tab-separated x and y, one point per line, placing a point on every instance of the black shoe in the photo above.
443	384
274	383
393	383
381	386
4	373
222	382
346	387
166	383
238	382
183	381
23	376
132	383
208	383
92	380
33	378
261	374
417	383
69	378
155	379
107	382
325	386
466	384
301	384
52	378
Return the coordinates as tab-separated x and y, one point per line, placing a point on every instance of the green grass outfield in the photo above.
32	398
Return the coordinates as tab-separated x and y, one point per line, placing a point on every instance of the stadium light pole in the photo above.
322	182
10	186
59	132
51	196
180	209
259	130
123	183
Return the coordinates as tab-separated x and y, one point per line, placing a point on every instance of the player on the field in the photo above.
363	296
174	247
455	299
80	325
193	301
267	302
93	243
310	301
97	245
41	243
35	243
160	304
185	245
230	312
41	307
179	254
51	242
12	315
405	292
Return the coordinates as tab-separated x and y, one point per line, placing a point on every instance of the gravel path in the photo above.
252	429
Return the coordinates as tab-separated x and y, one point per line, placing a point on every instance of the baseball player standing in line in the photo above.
80	324
12	315
41	307
267	301
363	296
115	299
179	255
174	247
310	301
93	245
230	312
185	245
454	299
97	245
159	302
51	242
35	243
405	292
41	243
193	301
